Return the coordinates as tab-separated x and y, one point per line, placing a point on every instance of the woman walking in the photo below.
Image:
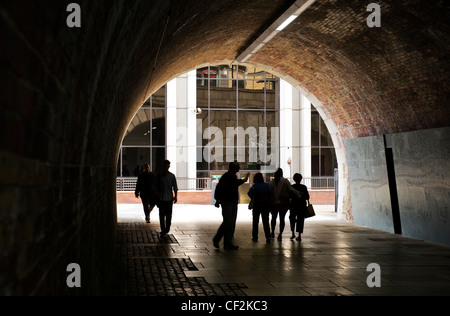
281	200
260	194
298	207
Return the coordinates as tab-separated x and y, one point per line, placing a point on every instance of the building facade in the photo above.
211	116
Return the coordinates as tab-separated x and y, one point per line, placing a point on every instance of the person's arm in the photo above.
298	194
242	181
251	192
306	194
138	185
175	189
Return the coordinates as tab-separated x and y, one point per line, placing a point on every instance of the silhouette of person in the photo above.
168	193
146	190
260	193
281	200
227	195
298	207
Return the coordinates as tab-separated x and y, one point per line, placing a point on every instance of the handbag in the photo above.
310	211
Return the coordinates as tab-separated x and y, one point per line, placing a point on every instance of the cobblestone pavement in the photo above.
149	265
331	260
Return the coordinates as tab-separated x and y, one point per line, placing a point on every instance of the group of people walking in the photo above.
159	190
275	198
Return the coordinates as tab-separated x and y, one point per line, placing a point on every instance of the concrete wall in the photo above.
422	167
369	187
422	174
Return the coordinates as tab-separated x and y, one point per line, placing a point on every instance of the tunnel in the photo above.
70	92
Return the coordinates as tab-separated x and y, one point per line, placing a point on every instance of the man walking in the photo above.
168	189
146	190
227	195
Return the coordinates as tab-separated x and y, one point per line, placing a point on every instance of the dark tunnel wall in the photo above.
68	95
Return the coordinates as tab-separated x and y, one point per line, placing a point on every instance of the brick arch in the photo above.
68	94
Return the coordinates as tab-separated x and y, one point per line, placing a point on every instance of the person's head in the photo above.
259	178
278	174
234	167
298	177
166	165
146	168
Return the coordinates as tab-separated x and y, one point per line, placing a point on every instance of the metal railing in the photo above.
193	184
319	183
197	184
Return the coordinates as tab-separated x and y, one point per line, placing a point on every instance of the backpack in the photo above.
218	193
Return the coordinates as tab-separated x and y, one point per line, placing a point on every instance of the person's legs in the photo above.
282	222
256	214
274	221
165	216
169	211
162	216
266	225
219	235
293	221
225	226
300	223
145	205
229	222
234	210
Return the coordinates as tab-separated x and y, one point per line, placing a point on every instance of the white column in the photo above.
192	124
305	137
181	127
171	123
285	127
297	130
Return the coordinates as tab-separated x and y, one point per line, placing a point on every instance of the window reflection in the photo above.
323	155
145	138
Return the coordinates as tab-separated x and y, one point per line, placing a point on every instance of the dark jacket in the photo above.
261	195
228	188
146	186
299	203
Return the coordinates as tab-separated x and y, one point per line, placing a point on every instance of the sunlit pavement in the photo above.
333	257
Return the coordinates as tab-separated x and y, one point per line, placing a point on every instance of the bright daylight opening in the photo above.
206	118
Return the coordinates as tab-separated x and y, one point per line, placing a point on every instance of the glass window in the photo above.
158	157
328	162
158	127
202	97
222	119
222	97
138	133
159	98
271	97
315	162
204	118
133	159
315	139
251	121
272	119
251	98
147	103
325	137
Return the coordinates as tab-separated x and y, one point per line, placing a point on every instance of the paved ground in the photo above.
331	260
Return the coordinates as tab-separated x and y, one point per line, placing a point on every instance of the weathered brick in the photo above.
69	94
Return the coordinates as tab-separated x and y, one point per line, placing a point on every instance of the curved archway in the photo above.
69	95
